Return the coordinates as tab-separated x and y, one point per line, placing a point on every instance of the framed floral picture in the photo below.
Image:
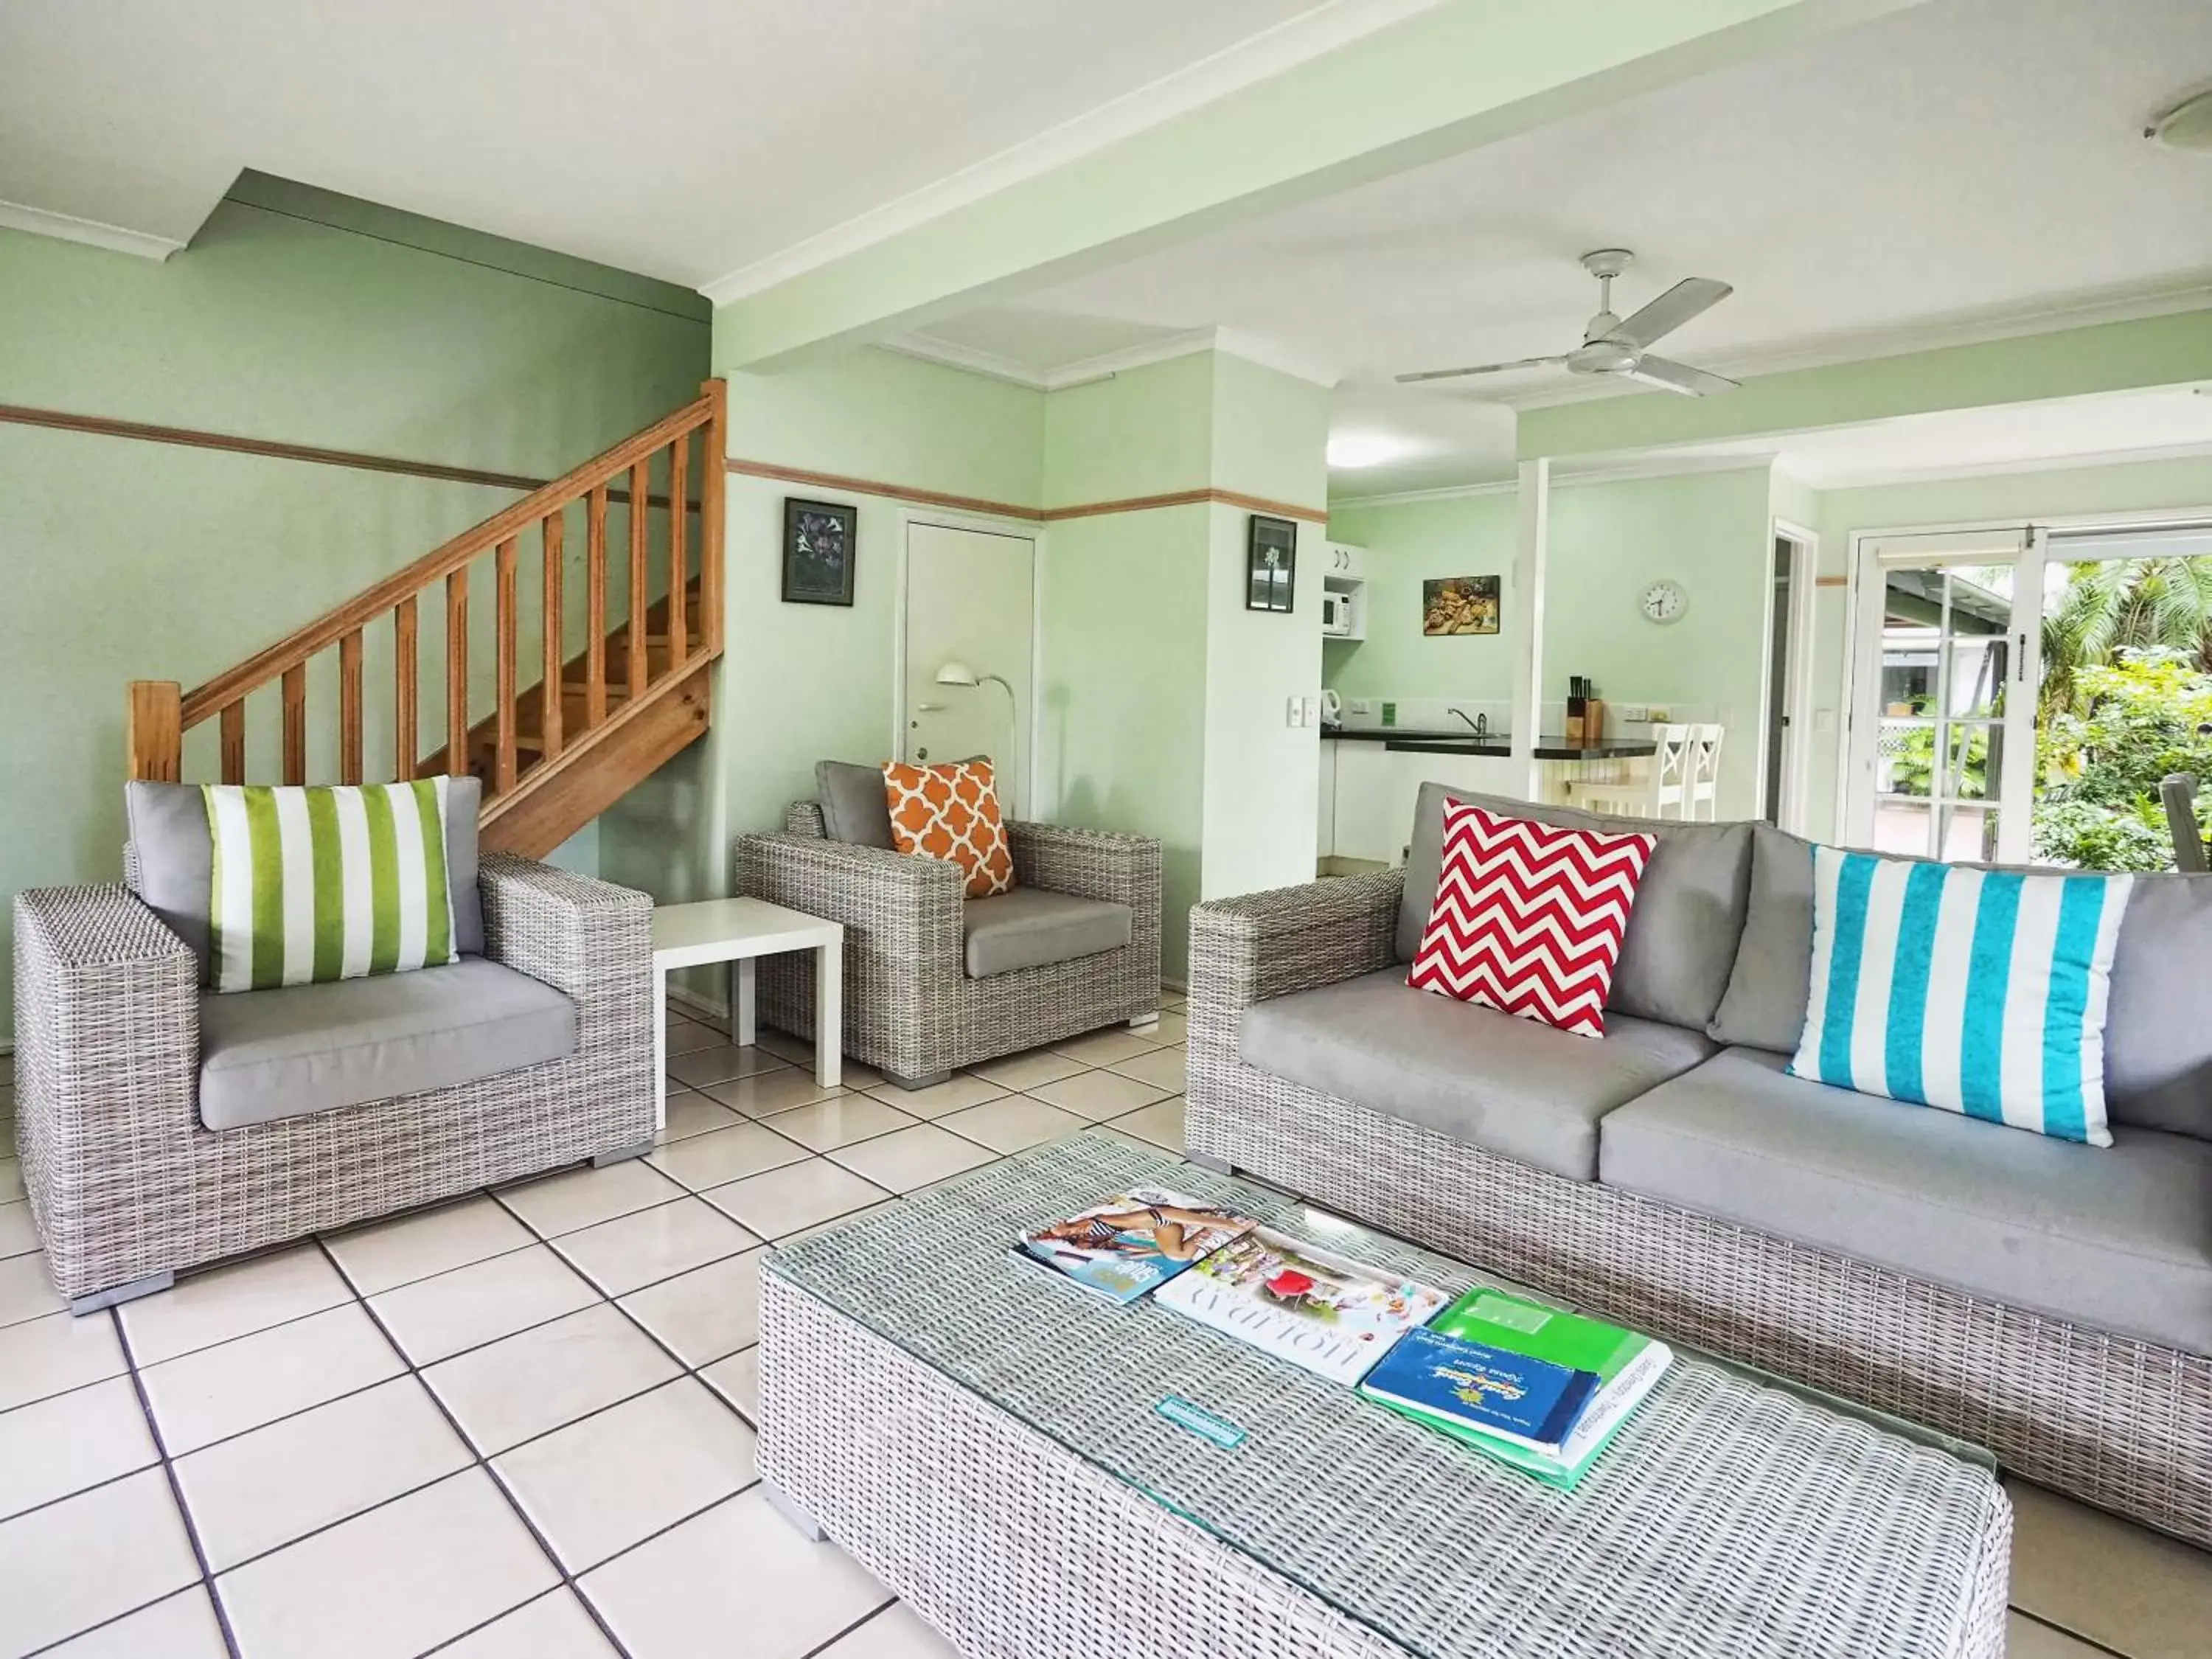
1271	564
818	552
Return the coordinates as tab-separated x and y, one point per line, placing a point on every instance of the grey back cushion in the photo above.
2158	1032
1681	941
854	805
172	859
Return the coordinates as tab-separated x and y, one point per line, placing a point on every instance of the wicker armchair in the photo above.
129	1189
911	1010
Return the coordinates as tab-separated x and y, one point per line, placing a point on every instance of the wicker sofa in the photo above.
130	1185
2049	1301
933	980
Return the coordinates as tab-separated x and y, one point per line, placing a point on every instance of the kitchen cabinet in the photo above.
1325	826
1375	788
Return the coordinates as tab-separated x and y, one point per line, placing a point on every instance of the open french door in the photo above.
1943	737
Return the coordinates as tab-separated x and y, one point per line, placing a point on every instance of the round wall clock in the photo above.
1664	601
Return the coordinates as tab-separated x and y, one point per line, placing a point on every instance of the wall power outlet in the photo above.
1635	711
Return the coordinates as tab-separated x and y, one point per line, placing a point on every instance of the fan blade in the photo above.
1481	368
1688	298
1677	377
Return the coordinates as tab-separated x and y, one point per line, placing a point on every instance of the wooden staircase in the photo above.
629	699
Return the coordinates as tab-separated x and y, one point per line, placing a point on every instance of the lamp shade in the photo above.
956	673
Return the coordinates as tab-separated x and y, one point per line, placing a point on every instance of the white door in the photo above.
1942	756
970	598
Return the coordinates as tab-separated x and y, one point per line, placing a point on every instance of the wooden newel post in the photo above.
154	732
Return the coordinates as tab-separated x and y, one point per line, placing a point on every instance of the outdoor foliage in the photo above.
2100	757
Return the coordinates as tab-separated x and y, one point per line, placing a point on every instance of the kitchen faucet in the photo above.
1479	722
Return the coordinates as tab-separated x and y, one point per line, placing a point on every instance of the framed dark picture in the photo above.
1271	563
1458	605
819	541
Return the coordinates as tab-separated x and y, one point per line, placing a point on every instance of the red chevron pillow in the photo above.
1528	917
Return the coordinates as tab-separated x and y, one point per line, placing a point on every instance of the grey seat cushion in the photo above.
1511	1087
173	855
1682	940
2158	1033
2117	1238
854	805
1029	927
271	1054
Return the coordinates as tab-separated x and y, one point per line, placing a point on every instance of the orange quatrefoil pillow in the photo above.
951	812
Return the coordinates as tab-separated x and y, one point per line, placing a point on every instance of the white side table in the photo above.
739	931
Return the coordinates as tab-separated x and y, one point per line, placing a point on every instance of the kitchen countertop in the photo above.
1406	740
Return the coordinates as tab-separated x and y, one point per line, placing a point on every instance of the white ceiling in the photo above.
684	139
1968	167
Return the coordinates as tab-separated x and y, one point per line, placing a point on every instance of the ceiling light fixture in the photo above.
1357	449
2187	126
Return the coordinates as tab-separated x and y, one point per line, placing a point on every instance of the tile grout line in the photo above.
2067	1631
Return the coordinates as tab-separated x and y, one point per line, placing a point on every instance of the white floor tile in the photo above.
398	1580
226	1302
18	1234
2030	1638
71	1442
737	1379
2131	1590
650	1245
251	1494
739	1566
705	1313
794	1050
182	1627
214	1392
1099	1095
720	1063
82	1561
1160	1123
912	1158
620	1475
55	1354
706	1160
11	1180
838	1121
522	1385
1114	1043
691	1113
433	1319
687	1037
26	1293
394	1253
554	1626
896	1632
779	1092
1174	1026
799	1195
1019	1072
957	1090
584	1198
1012	1122
1166	1068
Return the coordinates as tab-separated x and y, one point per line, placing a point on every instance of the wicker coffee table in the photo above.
991	1443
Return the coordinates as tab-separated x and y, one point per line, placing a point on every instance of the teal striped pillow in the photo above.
316	885
1982	992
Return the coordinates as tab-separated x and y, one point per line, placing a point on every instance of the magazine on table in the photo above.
1333	1316
1133	1242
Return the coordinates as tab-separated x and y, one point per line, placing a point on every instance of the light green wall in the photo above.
1146	431
1408	543
131	560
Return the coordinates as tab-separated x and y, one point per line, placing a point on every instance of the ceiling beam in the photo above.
2133	356
1453	78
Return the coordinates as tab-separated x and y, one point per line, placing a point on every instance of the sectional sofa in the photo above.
2048	1300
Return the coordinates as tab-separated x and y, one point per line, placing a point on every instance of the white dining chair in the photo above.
1660	790
1702	781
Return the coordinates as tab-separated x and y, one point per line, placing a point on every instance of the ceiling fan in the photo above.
1611	346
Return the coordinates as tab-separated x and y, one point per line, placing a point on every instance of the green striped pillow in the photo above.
315	885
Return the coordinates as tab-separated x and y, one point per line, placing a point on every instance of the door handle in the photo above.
929	708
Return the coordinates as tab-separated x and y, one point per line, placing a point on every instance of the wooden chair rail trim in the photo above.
471	544
791	475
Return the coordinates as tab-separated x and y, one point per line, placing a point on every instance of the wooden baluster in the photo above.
233	722
456	674
595	615
679	559
640	482
713	472
406	688
154	731
350	708
295	724
502	776
549	692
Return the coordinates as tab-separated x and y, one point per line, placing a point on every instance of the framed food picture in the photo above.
1271	564
818	552
1458	605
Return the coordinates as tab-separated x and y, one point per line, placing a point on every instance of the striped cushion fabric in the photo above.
1978	991
315	885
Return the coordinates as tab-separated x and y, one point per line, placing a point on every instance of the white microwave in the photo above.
1336	613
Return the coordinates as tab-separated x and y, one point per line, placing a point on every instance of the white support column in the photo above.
1525	605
